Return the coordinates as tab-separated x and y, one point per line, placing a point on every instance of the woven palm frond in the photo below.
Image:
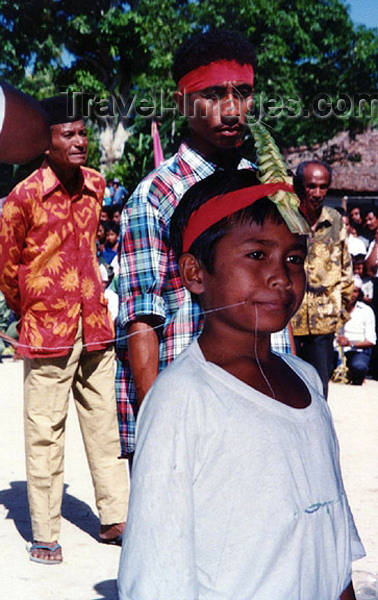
341	373
272	168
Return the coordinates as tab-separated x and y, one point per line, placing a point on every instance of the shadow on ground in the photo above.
107	589
15	500
365	585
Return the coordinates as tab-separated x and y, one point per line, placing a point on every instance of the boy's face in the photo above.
358	268
356	215
217	115
261	267
116	216
111	238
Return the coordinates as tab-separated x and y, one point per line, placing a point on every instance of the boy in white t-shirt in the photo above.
236	487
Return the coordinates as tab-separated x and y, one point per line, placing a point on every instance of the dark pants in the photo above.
318	351
358	364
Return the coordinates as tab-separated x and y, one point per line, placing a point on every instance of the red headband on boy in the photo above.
215	73
219	207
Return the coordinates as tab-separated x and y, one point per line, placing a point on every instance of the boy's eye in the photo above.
257	254
296	259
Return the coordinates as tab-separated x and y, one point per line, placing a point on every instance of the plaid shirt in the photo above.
149	280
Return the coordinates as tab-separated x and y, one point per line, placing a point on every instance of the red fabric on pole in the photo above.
158	151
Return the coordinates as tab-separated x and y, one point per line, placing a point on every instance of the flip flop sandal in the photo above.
44	561
117	541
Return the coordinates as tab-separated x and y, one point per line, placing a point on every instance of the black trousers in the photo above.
318	351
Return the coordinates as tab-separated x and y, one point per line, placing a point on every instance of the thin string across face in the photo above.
119	338
257	358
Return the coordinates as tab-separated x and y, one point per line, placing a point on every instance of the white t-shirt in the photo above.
235	495
361	325
356	246
113	302
2	108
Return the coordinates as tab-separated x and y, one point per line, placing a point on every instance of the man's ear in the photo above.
191	273
179	99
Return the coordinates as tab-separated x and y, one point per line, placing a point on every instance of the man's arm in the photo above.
25	133
143	268
143	345
371	259
348	593
12	238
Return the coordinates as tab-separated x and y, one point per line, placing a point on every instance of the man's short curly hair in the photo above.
215	44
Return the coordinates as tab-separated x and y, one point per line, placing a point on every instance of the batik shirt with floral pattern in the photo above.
329	278
48	267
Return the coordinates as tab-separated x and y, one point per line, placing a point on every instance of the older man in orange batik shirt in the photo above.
50	277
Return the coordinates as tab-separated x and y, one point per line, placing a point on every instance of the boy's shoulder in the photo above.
302	368
180	394
186	372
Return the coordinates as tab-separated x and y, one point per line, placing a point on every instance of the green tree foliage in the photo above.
312	63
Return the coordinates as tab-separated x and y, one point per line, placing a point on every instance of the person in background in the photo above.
355	243
8	326
110	295
329	273
371	221
357	222
101	238
371	265
106	213
359	336
50	277
362	276
355	215
117	213
24	130
120	193
110	250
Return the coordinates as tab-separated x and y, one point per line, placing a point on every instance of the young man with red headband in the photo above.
214	74
236	489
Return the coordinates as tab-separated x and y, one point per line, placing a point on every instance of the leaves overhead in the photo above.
304	48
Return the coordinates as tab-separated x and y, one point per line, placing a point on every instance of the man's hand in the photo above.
342	340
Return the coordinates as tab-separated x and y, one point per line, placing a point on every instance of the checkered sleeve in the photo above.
143	264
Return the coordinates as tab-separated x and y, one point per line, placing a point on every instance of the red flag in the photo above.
158	151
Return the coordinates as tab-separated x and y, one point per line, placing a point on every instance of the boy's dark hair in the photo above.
221	182
371	209
112	226
299	175
108	210
215	44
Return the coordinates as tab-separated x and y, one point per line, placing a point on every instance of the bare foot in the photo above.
46	552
